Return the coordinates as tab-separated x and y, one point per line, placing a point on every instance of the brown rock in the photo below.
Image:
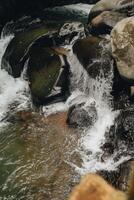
122	40
93	187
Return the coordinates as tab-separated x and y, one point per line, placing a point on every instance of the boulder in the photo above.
123	6
122	41
48	75
104	22
82	116
105	14
95	187
95	55
18	47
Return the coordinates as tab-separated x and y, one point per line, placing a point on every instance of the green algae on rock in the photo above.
18	47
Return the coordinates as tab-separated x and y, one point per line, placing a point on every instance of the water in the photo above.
14	93
97	91
40	158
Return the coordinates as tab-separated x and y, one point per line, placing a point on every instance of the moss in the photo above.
18	47
43	81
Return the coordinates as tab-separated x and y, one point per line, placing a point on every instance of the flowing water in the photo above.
41	158
14	93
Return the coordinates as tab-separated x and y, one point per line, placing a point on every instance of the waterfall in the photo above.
14	93
85	88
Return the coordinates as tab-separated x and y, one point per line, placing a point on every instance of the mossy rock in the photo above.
18	47
45	72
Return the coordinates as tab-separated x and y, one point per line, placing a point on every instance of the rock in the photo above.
17	51
72	31
82	116
95	187
95	55
17	48
103	23
118	178
123	6
49	79
122	41
121	136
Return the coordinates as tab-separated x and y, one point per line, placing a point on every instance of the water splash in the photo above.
84	88
14	93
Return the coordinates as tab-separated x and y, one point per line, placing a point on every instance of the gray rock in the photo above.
81	116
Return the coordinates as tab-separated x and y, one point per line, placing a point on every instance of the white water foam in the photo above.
85	8
89	90
14	93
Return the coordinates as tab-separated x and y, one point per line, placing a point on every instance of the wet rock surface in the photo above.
82	117
95	55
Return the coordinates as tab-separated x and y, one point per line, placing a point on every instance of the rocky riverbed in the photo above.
66	97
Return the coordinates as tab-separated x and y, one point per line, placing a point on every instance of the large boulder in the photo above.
39	54
18	47
104	22
95	55
105	14
122	40
48	76
124	6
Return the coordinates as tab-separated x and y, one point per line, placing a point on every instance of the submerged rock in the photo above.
122	41
82	116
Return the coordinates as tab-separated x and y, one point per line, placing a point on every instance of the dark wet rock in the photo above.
17	51
124	129
95	55
120	138
103	23
82	116
47	75
120	91
43	60
119	177
17	48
